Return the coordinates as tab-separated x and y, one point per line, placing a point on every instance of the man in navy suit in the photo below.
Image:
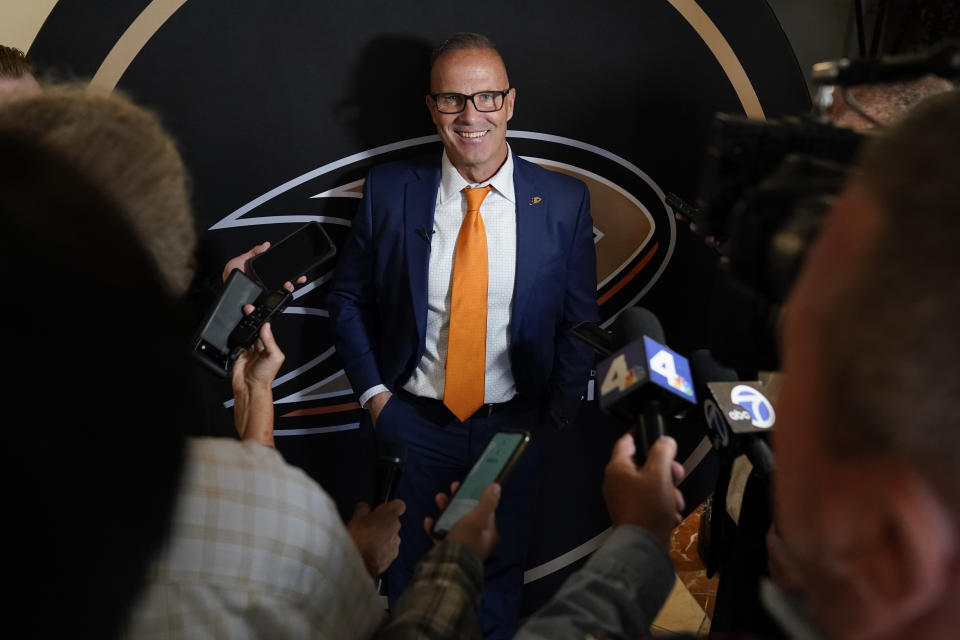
391	307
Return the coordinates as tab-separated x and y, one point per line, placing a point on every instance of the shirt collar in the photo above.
452	183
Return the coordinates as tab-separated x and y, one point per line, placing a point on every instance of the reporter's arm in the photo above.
252	376
442	600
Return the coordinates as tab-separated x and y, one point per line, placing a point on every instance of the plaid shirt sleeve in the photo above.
442	600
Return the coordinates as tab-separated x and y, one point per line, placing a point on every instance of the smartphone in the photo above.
494	465
211	344
266	308
596	336
290	258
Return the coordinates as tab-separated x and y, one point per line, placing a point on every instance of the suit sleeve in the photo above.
574	358
352	299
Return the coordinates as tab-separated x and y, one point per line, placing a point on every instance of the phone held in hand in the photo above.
292	257
266	308
212	345
494	465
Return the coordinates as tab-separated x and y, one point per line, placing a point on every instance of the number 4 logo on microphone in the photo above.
619	376
664	364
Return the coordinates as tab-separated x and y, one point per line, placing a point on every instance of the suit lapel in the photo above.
530	219
419	205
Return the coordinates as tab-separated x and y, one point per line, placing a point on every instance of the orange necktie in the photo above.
467	340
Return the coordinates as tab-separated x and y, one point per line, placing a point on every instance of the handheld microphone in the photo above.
736	412
645	379
943	61
390	465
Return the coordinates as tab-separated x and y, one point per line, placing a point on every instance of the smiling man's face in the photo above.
476	142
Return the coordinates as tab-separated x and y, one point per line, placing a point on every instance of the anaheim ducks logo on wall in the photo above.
172	51
634	234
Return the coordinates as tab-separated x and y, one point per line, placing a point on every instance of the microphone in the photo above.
426	235
736	412
390	465
943	60
645	379
635	322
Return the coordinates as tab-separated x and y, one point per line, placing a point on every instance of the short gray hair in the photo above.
460	41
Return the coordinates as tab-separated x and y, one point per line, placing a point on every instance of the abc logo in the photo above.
758	409
718	426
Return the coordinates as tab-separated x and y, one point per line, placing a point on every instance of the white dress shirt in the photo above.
499	213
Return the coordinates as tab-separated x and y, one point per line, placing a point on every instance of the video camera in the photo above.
765	188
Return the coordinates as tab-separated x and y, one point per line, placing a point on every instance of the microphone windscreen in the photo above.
635	322
705	369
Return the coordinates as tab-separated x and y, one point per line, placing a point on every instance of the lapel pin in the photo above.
536	200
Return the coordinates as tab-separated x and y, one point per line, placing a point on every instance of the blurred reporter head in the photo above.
124	150
96	398
868	441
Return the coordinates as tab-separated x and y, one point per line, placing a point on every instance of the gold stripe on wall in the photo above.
132	41
723	52
21	21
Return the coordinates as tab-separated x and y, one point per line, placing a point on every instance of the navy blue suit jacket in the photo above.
378	300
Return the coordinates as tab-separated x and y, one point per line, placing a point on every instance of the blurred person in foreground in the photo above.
221	564
96	401
867	495
102	476
125	151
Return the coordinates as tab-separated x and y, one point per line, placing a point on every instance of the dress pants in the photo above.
441	449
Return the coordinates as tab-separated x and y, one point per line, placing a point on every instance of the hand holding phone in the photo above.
266	307
477	530
212	345
494	465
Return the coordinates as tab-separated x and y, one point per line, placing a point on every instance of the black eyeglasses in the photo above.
483	101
